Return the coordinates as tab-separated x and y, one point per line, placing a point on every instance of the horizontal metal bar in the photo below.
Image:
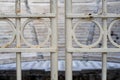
28	49
90	15
48	15
93	50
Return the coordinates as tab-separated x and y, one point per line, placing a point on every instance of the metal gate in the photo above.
105	35
17	36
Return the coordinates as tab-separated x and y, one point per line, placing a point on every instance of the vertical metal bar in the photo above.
68	26
104	55
54	55
18	60
104	66
18	54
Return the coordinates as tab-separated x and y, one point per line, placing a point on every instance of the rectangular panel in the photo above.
74	19
18	26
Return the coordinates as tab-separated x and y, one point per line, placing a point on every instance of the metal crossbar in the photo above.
18	28
105	34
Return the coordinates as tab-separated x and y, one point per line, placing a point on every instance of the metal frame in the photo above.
18	28
105	31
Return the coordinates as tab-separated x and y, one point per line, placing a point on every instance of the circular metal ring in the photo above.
109	33
92	45
12	26
28	43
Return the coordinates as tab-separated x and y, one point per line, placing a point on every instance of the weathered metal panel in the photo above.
104	34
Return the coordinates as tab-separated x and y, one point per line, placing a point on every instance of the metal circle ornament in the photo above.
109	33
12	26
93	44
28	43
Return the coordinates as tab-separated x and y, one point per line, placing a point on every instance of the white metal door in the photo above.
18	29
105	35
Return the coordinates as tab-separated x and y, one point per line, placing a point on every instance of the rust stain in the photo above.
18	11
90	15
